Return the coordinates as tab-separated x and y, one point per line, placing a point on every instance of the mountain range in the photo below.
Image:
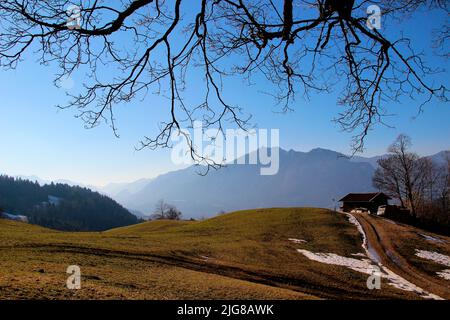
318	178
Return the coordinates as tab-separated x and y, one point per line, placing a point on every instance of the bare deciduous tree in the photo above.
417	183
153	46
173	213
433	206
402	174
441	187
160	210
164	210
387	177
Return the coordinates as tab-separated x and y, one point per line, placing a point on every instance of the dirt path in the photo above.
383	240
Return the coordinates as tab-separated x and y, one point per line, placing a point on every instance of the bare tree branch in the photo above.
301	47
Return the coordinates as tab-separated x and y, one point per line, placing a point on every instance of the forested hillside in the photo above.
61	206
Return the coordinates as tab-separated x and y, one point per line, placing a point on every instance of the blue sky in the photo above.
39	139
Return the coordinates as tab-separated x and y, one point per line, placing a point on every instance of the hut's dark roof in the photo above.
363	197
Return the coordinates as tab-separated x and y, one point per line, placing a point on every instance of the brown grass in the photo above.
242	255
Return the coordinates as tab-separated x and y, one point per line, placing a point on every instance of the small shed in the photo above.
370	201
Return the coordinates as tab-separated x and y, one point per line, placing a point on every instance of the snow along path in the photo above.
390	242
370	251
394	279
367	266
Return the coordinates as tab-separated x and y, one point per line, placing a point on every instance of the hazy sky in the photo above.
39	139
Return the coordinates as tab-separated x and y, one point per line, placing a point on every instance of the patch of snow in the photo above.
363	266
372	254
367	267
438	258
398	282
298	241
359	254
54	200
444	274
14	217
432	239
394	279
354	221
434	256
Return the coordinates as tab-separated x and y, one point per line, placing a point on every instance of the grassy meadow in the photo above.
240	255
